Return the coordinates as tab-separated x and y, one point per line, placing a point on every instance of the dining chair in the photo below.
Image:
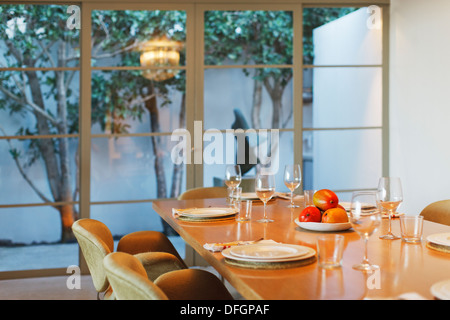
438	211
96	242
204	193
129	282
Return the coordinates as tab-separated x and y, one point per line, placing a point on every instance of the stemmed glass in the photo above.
390	197
265	189
233	178
365	218
292	179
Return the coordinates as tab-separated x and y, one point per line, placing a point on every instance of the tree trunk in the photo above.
177	177
161	185
67	211
256	107
276	94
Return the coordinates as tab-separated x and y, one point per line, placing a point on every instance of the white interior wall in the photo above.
419	100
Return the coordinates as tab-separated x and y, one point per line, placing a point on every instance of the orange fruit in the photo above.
325	199
335	215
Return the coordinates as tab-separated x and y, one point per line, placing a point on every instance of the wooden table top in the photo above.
403	267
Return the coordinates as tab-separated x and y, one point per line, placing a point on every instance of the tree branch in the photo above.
32	105
22	172
112	54
45	50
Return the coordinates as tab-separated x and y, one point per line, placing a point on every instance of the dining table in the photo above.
406	270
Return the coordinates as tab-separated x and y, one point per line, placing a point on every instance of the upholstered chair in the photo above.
204	193
438	211
128	280
96	242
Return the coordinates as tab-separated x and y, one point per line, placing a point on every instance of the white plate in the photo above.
310	253
287	196
440	238
268	251
347	206
319	226
253	196
212	212
441	290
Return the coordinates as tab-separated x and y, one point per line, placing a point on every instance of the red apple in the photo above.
310	214
325	199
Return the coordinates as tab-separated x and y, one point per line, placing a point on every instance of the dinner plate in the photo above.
441	290
440	238
310	253
327	227
212	212
347	206
287	196
268	251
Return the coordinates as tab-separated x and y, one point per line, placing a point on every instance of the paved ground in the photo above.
51	256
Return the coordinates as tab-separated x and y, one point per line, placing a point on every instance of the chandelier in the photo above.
160	52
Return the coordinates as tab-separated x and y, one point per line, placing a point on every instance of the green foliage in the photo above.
250	37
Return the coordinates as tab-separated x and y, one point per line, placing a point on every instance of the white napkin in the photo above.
411	296
220	246
404	296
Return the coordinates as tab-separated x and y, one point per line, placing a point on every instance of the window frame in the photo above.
194	67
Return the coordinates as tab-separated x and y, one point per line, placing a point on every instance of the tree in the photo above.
37	37
254	37
31	41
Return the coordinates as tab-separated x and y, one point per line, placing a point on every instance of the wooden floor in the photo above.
46	288
55	288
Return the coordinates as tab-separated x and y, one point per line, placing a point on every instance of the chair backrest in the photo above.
128	278
192	284
438	211
204	193
96	242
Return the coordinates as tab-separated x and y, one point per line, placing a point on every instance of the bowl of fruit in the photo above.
325	215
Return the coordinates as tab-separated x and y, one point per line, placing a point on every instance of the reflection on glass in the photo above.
160	52
342	36
120	36
140	105
248	37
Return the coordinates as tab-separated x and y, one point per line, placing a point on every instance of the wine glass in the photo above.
292	179
265	189
390	197
232	179
365	218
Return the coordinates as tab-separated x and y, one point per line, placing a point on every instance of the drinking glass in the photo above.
265	189
365	218
232	178
292	179
390	197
